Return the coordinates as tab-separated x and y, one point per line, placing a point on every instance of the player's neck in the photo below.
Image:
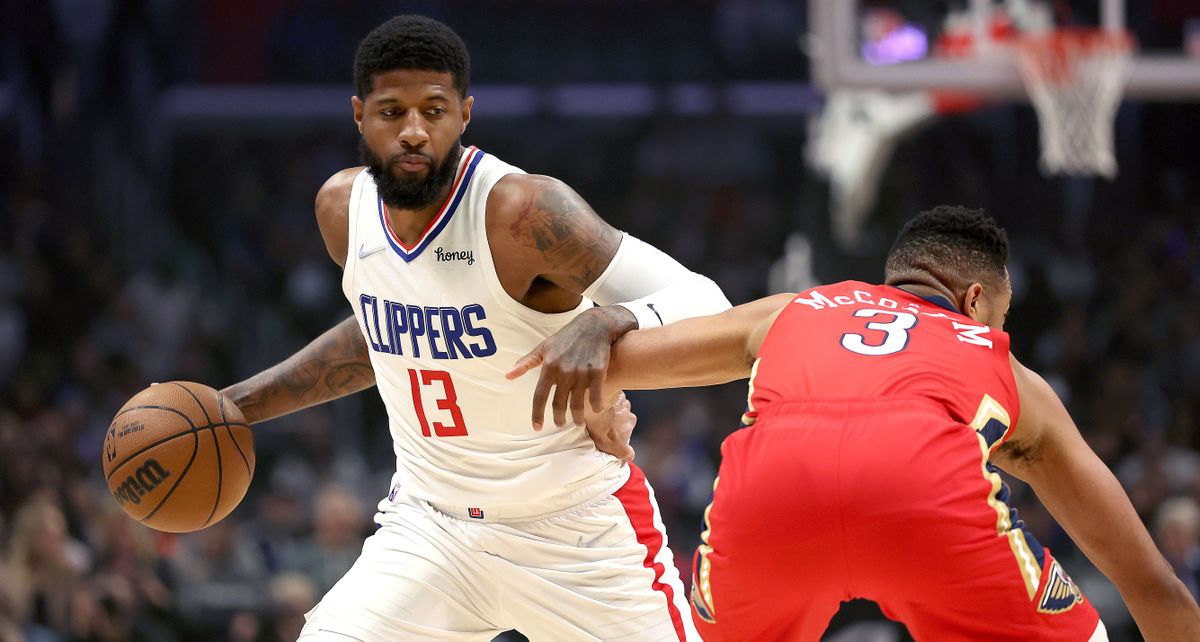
927	290
410	224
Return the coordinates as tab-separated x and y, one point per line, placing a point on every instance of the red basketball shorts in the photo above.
891	501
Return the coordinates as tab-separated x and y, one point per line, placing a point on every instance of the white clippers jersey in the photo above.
442	332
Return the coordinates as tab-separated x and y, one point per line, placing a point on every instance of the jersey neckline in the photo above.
466	170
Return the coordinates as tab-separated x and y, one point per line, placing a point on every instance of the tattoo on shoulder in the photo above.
559	225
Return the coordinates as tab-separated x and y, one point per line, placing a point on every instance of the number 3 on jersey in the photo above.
448	401
895	324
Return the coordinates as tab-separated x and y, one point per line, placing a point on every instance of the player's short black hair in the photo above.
955	244
411	42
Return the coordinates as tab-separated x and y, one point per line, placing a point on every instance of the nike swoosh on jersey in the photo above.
363	252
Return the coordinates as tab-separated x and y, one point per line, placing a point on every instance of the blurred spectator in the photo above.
292	595
223	575
339	526
1177	529
43	568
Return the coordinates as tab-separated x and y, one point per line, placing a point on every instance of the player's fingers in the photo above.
622	402
579	397
541	392
526	363
624	453
562	393
596	393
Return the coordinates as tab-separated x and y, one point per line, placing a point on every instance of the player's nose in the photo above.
413	133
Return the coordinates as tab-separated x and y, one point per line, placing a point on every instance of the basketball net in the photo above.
1075	78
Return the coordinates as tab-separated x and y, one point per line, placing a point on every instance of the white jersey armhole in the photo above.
353	219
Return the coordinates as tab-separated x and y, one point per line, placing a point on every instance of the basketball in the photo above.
178	456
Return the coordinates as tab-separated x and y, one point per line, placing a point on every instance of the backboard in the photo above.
907	45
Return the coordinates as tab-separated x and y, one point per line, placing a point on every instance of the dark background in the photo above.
158	161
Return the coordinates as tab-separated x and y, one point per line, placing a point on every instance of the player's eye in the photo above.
436	111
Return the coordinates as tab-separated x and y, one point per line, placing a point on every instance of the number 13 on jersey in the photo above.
443	387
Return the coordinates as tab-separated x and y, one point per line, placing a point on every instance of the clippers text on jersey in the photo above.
448	333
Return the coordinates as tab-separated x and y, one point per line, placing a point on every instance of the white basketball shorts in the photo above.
600	571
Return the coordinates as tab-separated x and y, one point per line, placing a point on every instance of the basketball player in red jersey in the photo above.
878	415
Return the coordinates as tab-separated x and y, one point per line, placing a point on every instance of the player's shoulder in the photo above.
333	211
517	193
334	195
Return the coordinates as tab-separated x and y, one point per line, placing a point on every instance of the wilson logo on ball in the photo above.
145	479
110	446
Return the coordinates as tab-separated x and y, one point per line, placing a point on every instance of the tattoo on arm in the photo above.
334	365
575	244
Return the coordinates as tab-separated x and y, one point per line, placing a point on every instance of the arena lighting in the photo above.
902	44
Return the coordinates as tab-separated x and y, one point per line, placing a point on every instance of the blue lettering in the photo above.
452	328
390	346
383	347
416	328
445	329
489	344
433	334
363	301
397	325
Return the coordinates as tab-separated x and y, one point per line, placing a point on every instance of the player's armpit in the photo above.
334	365
1086	499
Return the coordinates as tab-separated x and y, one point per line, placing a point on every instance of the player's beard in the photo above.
408	193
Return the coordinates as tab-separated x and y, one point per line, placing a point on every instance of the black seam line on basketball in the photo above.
196	399
161	502
220	474
143	449
229	431
245	461
166	439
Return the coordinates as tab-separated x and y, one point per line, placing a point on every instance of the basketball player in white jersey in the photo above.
456	264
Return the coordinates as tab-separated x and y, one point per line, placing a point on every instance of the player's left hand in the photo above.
574	362
612	430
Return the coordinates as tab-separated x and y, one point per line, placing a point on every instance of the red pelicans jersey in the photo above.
852	340
867	474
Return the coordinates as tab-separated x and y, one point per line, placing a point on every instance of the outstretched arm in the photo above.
334	365
1048	452
701	351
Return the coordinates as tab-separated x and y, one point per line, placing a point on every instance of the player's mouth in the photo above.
412	162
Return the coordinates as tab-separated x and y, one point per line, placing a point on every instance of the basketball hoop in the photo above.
1076	78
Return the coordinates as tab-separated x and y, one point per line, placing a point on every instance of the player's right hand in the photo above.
574	363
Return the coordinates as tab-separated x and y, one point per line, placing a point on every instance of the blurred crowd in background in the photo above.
135	249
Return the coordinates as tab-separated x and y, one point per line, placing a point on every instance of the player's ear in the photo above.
467	103
973	304
357	103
